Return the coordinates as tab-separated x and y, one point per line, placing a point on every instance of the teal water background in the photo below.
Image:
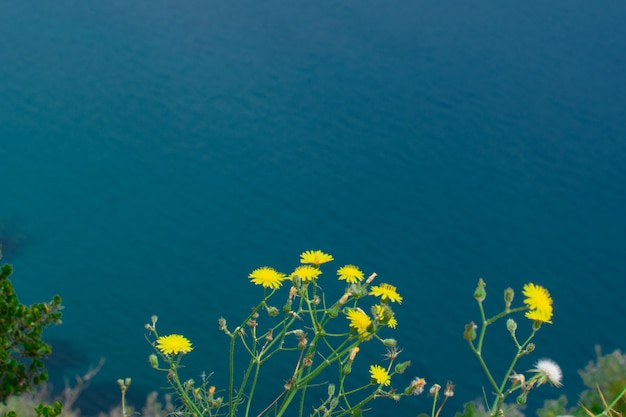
154	153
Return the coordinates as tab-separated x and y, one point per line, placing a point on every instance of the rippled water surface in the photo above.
154	153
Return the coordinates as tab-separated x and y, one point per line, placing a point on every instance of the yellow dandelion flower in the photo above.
386	292
267	277
359	321
539	303
315	257
538	315
307	273
173	344
384	315
380	375
350	273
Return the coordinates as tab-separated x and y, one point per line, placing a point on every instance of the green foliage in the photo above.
554	408
606	377
21	349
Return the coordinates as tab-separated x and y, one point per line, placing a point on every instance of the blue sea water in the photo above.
154	153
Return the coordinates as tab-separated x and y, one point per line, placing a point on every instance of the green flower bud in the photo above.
521	399
480	294
154	360
470	331
511	326
347	368
333	311
331	390
508	298
401	367
272	311
390	342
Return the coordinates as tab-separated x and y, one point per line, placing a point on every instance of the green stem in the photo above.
251	394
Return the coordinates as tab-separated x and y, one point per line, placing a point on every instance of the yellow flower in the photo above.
380	375
359	321
267	277
307	273
539	303
315	257
384	315
386	292
350	273
173	344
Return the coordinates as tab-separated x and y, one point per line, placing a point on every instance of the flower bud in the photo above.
272	311
154	360
434	390
511	326
401	367
331	390
127	381
333	311
529	348
480	294
347	368
521	399
508	298
470	331
222	323
390	342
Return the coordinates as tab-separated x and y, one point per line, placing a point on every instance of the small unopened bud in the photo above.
370	278
222	323
401	367
331	390
470	332
511	326
390	342
347	368
343	299
480	294
508	298
353	353
272	311
120	382
127	381
269	335
449	391
333	311
529	348
154	320
154	360
148	327
292	292
521	399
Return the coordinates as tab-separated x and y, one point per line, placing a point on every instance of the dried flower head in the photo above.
547	370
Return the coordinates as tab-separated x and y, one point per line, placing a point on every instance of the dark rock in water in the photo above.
12	238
